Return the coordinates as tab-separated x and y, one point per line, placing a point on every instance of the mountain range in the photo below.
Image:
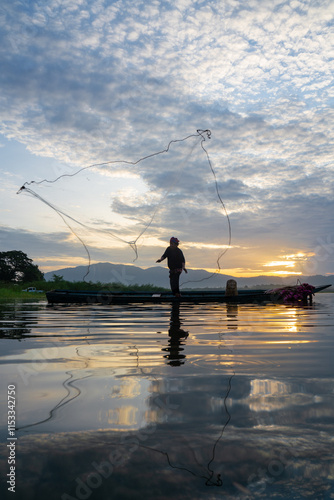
105	272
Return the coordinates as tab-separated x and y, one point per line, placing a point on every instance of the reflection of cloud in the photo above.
125	416
270	395
127	388
61	458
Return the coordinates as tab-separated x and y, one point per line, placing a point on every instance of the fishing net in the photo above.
125	203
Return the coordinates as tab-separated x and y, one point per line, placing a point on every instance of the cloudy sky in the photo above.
90	87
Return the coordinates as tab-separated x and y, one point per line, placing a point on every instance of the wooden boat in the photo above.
197	296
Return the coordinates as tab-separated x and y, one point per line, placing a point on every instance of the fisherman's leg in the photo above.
174	283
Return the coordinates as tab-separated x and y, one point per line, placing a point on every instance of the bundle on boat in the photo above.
302	292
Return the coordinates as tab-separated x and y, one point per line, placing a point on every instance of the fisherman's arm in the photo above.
163	257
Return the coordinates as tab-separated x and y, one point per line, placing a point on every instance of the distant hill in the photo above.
106	272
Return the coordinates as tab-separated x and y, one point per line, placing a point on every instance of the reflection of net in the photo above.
211	477
73	392
69	220
161	401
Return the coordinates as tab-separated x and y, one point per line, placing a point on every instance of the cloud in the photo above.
95	60
88	82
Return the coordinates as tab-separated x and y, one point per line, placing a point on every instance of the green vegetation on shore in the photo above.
15	291
18	273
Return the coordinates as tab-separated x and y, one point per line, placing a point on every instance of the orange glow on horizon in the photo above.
60	263
280	263
249	273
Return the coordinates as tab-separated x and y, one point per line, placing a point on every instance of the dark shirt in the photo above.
175	258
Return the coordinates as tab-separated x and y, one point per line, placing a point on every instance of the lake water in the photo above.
204	401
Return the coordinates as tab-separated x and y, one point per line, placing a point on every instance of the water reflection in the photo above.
16	321
212	401
232	316
176	338
11	329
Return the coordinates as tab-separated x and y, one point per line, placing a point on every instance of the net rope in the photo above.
69	220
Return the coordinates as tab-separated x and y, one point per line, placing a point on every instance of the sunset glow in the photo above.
200	120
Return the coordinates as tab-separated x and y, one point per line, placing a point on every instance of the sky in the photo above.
92	90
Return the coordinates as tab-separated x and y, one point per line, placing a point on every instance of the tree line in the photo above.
17	268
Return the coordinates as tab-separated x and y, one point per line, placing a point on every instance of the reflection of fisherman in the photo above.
176	335
176	263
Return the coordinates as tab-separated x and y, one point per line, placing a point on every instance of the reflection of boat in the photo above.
109	297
